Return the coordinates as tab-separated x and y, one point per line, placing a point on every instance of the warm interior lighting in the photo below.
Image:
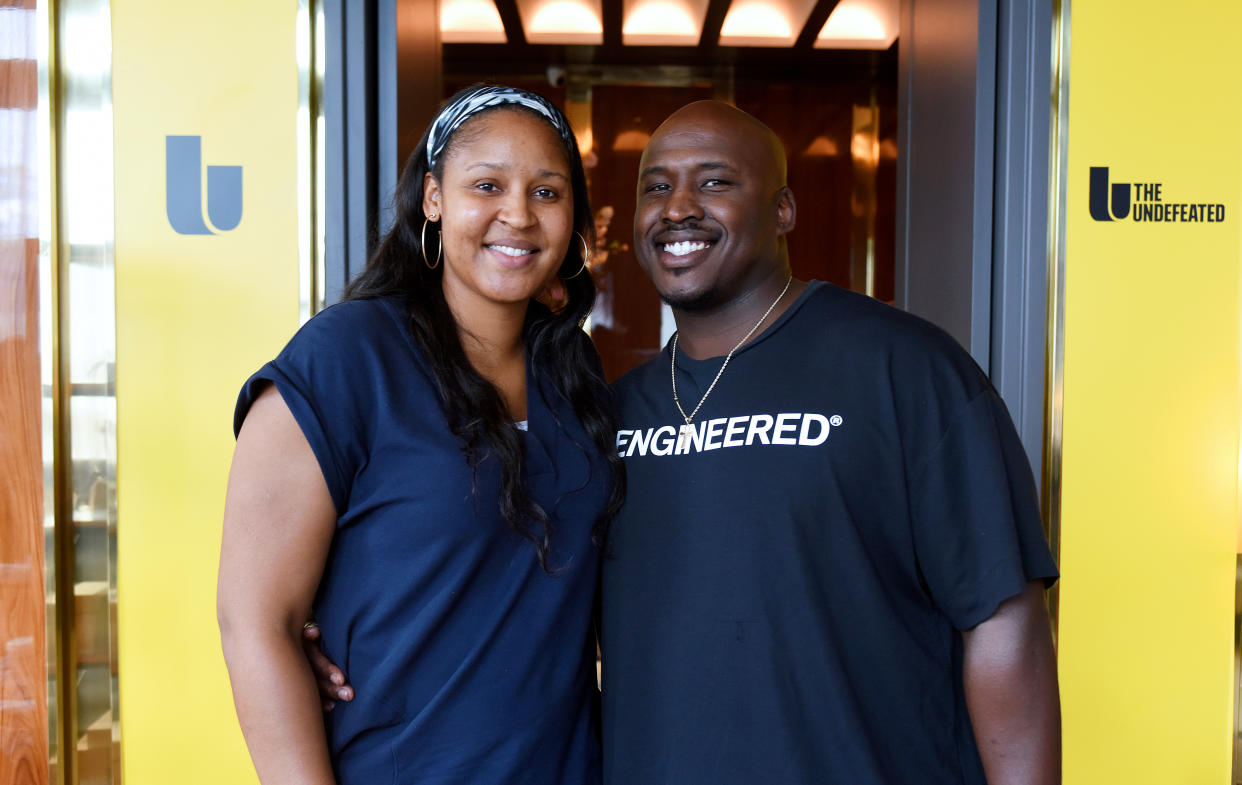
586	141
630	141
561	21
764	22
865	149
853	23
471	22
663	22
753	22
860	24
821	147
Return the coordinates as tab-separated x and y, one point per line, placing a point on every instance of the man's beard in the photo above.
697	301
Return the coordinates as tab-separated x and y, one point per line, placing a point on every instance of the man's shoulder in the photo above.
879	342
834	317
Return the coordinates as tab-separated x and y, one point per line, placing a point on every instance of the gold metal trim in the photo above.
311	196
1236	729
56	91
1054	352
62	452
1236	775
319	58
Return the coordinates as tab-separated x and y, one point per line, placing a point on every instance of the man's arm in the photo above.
1010	675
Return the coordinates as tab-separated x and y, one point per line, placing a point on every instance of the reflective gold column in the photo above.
81	344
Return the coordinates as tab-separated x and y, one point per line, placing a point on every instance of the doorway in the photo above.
839	130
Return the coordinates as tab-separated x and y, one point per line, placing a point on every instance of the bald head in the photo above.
713	208
709	120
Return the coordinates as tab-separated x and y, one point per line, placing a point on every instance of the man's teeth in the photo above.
684	247
509	251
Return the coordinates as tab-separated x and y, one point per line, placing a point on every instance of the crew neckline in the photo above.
689	363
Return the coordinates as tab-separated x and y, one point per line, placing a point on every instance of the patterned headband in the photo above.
469	104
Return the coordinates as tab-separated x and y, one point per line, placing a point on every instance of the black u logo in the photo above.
1098	202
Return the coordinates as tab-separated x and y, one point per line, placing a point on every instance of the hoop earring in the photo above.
422	241
586	254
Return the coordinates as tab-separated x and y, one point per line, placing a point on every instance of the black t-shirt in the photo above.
783	595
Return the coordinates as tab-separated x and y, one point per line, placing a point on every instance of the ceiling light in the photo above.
860	24
663	22
764	22
561	21
471	22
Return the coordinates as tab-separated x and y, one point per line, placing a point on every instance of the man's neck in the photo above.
713	333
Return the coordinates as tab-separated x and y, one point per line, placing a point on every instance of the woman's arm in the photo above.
278	523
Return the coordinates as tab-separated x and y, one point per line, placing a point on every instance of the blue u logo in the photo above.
1098	203
183	159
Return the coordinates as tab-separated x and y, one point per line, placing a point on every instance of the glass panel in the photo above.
88	338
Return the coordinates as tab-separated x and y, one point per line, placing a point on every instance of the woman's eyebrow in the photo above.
503	167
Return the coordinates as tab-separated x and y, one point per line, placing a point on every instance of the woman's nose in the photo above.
516	212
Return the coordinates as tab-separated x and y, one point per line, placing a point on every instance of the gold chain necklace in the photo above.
684	432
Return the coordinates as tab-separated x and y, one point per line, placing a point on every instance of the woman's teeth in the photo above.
508	251
684	247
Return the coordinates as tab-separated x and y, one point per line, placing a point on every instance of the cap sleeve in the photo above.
317	375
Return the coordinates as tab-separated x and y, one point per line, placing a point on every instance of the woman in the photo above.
425	468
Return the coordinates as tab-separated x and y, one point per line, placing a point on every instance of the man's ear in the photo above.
431	196
786	211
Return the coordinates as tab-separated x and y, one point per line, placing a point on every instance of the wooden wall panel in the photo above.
23	668
23	658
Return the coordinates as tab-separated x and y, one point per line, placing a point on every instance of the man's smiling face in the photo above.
711	206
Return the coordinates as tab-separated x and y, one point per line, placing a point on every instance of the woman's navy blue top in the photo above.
471	664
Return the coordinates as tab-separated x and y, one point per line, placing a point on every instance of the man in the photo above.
830	566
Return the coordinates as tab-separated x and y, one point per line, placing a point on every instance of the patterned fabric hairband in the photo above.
452	116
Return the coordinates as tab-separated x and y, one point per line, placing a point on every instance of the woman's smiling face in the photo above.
506	207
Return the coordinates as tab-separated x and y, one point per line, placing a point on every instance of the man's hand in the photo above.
330	678
553	294
1010	675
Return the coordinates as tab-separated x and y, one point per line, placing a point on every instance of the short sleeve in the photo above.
317	376
978	533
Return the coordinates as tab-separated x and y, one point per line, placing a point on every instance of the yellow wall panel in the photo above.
1151	406
196	313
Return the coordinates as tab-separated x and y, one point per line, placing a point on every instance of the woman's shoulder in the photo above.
354	318
348	329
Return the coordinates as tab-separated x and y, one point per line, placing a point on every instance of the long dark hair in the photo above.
554	340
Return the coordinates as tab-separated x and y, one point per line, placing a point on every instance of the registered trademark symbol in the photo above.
835	420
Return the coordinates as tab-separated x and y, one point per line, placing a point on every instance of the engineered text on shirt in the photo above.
800	429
